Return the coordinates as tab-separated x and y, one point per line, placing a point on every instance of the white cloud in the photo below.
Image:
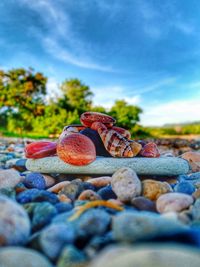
61	40
53	90
172	112
65	55
106	96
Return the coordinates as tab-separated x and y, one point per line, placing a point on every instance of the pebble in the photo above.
23	257
196	210
185	187
36	195
49	180
71	257
100	181
63	207
131	226
54	237
152	189
107	193
9	178
107	166
59	186
34	180
76	149
42	215
173	202
93	222
194	160
126	184
159	255
150	150
72	190
196	194
40	149
14	223
89	195
143	203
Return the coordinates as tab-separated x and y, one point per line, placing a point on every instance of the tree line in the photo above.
24	109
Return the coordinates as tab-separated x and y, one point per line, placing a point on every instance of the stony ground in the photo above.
124	220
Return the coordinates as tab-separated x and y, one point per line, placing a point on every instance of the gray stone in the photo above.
149	255
23	257
142	166
14	223
126	184
9	178
135	226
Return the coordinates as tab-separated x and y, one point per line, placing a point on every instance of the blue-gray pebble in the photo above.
185	187
135	226
14	223
34	180
54	237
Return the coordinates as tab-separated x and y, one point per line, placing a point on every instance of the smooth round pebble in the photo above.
126	184
63	207
194	160
71	257
107	193
131	226
89	195
100	181
148	255
35	180
76	149
93	222
185	187
36	195
22	257
57	187
14	223
49	180
196	210
143	203
152	189
54	237
173	202
9	178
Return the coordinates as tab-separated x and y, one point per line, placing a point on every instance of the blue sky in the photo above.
144	51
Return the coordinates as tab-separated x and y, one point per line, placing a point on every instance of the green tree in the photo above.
126	115
22	97
77	96
22	90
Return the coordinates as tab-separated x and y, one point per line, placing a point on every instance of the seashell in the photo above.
76	149
115	143
122	131
88	118
150	150
40	149
70	129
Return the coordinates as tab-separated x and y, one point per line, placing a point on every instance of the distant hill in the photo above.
181	124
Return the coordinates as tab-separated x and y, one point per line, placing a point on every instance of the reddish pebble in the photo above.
76	149
88	118
100	181
40	149
57	187
194	160
64	198
150	150
89	195
122	131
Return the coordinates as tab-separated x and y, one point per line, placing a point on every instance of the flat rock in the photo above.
143	166
147	256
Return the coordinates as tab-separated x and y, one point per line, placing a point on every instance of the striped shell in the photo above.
115	143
